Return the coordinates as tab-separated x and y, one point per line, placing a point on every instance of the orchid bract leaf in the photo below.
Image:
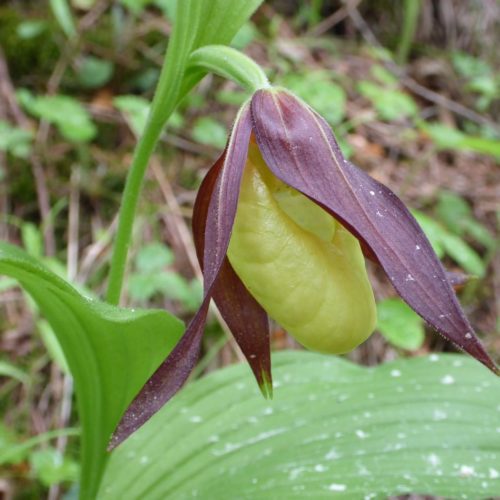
333	430
110	352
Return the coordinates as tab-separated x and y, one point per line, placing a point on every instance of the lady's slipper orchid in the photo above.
276	224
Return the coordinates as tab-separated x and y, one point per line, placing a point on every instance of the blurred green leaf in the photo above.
11	371
399	324
463	254
153	257
135	109
94	72
31	29
324	95
14	450
168	7
208	131
67	113
9	451
391	104
83	4
63	15
446	137
447	243
470	66
142	287
245	36
50	467
32	239
52	345
456	214
7	284
14	140
232	97
384	76
175	286
136	6
334	429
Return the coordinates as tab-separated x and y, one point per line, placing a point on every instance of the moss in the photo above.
27	57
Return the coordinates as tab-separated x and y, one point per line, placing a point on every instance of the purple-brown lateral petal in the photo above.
245	318
248	323
300	149
221	195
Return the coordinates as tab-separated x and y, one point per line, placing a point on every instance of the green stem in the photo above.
410	21
147	143
231	64
219	59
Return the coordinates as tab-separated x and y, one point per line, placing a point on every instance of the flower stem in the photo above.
231	64
224	61
164	102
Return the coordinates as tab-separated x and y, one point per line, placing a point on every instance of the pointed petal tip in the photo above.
124	429
266	385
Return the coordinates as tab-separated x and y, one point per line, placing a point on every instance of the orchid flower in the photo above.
280	223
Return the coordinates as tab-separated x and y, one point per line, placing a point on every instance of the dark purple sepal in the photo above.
174	371
245	318
300	149
168	378
248	323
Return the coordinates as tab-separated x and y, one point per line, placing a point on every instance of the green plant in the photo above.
127	363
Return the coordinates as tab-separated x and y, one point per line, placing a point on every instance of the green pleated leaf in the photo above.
426	425
110	351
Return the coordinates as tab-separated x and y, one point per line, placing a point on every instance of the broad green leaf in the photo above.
334	430
400	324
110	351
